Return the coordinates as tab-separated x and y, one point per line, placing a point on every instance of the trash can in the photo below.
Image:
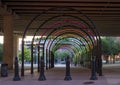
4	70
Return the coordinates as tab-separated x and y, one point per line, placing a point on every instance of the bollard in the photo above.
16	70
42	76
67	76
93	72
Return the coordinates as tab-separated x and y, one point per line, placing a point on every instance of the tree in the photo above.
110	47
61	54
27	54
1	51
116	49
107	45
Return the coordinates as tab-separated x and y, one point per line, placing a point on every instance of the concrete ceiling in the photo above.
104	13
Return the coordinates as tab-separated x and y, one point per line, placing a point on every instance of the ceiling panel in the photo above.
104	13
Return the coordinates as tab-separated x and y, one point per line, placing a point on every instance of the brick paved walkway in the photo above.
80	76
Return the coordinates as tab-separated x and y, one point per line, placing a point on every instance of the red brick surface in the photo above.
80	76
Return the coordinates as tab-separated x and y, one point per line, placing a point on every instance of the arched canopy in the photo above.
63	25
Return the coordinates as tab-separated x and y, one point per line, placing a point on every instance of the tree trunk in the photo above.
106	58
113	59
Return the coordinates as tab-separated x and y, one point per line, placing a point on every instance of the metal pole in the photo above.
46	59
16	70
100	67
93	71
52	60
31	58
67	76
42	76
22	66
100	61
38	58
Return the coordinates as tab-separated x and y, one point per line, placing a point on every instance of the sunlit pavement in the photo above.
55	76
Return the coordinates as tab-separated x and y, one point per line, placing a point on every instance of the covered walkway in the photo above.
70	27
55	76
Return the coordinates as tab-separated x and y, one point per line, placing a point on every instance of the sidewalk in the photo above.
80	76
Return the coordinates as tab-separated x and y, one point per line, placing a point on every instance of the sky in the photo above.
1	39
27	38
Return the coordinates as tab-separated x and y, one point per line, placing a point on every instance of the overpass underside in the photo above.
65	26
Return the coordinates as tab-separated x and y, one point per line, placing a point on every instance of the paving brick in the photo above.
55	76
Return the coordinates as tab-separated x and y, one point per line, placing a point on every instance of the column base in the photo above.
93	78
16	78
67	78
101	75
42	78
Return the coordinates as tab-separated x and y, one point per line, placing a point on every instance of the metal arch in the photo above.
76	38
46	11
72	43
47	21
62	10
96	32
74	27
72	49
80	31
55	17
60	16
58	33
71	33
64	33
22	66
69	48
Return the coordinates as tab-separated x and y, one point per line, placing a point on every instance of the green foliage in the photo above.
1	51
27	55
79	52
76	59
110	46
116	48
61	54
87	56
107	45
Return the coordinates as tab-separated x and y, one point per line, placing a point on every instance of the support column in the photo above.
15	46
8	41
